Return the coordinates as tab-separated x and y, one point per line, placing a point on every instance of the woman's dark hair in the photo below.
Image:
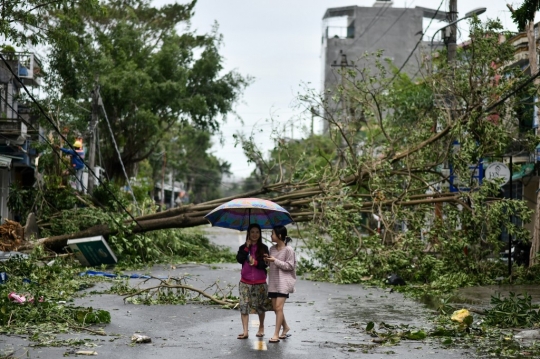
260	246
281	233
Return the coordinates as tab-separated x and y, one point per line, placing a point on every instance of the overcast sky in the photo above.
278	42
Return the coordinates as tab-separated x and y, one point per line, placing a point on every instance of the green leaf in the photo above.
370	326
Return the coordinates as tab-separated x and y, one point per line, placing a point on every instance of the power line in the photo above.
116	148
415	46
383	9
512	93
30	125
391	26
51	122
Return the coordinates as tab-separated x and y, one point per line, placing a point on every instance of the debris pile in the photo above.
12	236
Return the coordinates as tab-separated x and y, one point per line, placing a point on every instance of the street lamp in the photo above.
470	14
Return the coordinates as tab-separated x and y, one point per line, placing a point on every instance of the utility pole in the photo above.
312	111
343	64
344	126
92	149
163	181
452	39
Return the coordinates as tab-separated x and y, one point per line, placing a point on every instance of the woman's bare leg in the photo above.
260	333
245	319
278	304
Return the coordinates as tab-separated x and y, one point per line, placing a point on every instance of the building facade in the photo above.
352	31
18	128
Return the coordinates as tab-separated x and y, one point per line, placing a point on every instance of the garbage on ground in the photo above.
21	299
4	256
394	279
528	334
92	251
92	273
138	338
86	352
462	316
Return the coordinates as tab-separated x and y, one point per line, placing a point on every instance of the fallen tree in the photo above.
404	151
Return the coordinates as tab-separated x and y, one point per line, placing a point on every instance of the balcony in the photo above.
339	32
13	128
27	65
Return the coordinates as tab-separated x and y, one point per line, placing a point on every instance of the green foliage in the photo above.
290	160
23	21
189	245
49	291
514	311
525	13
399	137
186	153
20	200
153	77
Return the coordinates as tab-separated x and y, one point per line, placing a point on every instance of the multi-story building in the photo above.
525	178
352	31
17	127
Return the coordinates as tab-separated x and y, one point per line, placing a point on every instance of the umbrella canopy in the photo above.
241	212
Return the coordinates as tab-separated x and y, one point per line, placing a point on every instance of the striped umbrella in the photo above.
241	212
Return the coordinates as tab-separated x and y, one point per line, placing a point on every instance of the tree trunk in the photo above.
533	66
535	245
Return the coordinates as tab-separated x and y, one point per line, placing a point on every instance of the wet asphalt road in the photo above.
326	321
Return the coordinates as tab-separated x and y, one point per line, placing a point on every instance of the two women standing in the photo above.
255	257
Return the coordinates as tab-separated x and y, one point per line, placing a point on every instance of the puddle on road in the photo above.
259	345
481	296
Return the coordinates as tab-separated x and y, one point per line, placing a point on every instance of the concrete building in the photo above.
352	31
18	128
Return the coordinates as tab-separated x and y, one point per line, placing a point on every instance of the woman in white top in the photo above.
282	278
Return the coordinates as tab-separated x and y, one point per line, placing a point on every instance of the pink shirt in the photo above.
282	275
250	274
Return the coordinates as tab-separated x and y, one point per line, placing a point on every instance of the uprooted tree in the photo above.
393	144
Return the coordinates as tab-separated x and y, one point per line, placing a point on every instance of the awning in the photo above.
5	162
525	170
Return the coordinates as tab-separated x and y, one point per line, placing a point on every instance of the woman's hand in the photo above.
268	258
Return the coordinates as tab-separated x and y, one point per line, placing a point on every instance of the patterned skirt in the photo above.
254	298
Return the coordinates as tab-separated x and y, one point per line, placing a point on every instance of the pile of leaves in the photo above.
49	291
491	333
514	311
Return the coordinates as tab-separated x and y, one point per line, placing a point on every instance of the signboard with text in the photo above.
498	170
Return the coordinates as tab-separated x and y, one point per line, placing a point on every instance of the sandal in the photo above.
242	336
272	340
285	336
259	335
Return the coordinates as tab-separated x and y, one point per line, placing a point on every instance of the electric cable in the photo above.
116	148
381	12
391	26
57	130
46	140
416	46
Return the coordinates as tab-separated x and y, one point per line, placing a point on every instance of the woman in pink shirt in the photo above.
282	279
253	288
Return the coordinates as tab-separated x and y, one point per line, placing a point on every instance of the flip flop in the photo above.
273	340
284	336
259	335
242	336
